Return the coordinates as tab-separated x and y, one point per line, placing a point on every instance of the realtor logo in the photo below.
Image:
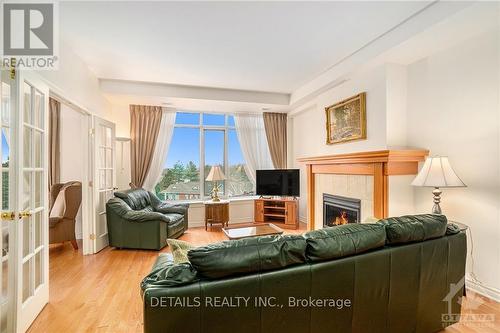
28	29
29	34
470	318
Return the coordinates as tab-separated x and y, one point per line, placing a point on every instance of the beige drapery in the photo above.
275	124
54	143
144	127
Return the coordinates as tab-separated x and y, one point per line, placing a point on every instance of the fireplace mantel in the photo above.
380	164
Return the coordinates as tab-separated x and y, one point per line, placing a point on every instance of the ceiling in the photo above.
258	46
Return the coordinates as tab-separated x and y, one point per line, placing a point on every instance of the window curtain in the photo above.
54	143
161	149
275	124
252	136
144	128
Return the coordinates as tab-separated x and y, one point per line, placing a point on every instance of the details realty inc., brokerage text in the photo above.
247	301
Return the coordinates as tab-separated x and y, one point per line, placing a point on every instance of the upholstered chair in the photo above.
65	201
138	219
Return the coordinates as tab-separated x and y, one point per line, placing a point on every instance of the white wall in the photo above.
77	83
123	177
308	124
120	115
453	110
72	132
396	95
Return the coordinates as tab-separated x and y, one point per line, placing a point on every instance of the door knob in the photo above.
8	216
24	214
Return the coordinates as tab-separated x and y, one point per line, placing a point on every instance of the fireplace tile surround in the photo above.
351	186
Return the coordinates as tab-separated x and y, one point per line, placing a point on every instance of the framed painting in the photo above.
346	120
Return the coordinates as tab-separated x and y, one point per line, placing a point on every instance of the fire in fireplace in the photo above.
338	210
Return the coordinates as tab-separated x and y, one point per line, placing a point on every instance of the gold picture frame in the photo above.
346	120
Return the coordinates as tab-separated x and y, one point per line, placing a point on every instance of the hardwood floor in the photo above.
100	293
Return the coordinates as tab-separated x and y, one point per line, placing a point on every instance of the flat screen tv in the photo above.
281	182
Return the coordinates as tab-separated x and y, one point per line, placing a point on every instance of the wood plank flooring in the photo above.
100	293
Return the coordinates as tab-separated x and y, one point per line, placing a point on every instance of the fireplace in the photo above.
338	210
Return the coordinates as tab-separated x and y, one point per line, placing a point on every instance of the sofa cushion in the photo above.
255	254
342	241
414	228
137	198
452	229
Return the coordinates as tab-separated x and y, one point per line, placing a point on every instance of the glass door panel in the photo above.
33	190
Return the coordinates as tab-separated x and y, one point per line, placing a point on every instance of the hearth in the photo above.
338	210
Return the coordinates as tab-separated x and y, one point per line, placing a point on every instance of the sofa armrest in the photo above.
166	208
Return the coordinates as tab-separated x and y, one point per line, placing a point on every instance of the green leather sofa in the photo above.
137	219
397	275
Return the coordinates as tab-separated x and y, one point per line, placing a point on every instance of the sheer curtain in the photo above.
252	135
161	149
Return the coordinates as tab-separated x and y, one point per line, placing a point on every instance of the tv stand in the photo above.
283	213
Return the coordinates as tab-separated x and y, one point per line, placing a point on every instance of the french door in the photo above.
24	193
105	178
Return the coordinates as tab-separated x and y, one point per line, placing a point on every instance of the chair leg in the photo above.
74	244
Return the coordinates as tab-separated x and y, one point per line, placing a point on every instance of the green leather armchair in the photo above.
137	219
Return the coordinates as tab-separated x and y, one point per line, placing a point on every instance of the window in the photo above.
214	155
203	139
5	142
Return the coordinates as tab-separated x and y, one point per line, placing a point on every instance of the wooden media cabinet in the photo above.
283	213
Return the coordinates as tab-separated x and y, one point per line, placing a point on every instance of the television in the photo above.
280	182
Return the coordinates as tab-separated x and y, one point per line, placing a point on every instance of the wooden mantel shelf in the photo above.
380	164
381	156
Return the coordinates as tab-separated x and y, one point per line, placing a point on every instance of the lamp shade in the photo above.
437	172
215	174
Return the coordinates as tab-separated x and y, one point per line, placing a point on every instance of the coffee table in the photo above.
261	229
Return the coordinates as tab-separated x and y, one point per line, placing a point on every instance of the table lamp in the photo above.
437	172
215	175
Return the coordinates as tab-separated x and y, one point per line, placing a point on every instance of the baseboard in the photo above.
196	224
491	293
241	220
201	223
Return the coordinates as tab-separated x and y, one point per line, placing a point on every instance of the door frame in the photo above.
87	177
